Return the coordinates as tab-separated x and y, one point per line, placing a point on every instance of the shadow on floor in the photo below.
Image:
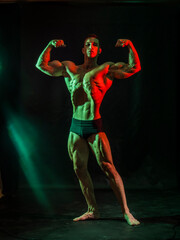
25	218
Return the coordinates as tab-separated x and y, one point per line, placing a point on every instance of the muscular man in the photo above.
87	84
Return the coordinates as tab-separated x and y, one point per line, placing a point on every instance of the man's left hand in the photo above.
122	42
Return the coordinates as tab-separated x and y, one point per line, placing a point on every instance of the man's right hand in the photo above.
57	43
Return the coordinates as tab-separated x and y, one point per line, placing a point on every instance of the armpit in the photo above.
64	73
71	66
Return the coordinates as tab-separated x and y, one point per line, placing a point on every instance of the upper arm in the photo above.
121	70
54	68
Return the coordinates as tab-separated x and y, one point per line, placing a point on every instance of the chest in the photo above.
90	81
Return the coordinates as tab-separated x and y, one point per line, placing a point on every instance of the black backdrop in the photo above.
139	113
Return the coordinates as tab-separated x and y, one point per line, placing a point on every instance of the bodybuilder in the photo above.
87	84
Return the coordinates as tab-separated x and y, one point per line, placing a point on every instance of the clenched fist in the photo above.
57	43
122	42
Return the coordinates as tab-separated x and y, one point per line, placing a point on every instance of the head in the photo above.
91	47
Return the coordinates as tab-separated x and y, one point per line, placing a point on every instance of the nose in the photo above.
90	46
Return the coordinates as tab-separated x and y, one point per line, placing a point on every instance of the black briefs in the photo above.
86	128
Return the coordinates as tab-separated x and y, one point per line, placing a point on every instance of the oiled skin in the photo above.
87	84
87	89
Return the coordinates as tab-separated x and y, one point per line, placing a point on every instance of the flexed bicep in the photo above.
120	70
123	70
51	68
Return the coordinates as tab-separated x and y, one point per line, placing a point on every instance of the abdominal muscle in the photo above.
87	93
88	111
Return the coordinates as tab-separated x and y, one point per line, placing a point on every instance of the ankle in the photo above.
126	211
93	209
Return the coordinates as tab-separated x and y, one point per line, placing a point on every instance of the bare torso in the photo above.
87	89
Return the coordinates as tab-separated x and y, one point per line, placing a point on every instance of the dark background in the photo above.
139	113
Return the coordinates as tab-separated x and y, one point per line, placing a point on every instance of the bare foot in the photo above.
87	216
130	219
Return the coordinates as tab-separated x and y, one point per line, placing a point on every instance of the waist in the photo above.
86	121
91	126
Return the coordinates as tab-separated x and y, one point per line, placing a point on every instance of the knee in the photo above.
108	168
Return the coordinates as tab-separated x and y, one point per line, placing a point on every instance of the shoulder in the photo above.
104	67
68	64
109	64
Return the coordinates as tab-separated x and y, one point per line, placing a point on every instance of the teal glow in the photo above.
21	132
1	67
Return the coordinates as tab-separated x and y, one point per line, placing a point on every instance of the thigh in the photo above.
100	146
78	149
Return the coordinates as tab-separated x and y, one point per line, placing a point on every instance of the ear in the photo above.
83	50
100	50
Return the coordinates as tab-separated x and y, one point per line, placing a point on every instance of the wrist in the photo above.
130	44
50	44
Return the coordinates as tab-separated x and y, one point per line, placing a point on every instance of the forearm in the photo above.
45	56
122	70
134	61
52	68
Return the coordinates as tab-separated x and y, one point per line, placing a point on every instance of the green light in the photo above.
1	67
21	132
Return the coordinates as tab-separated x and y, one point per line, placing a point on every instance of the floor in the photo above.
48	214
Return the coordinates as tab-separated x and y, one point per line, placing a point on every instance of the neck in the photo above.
90	63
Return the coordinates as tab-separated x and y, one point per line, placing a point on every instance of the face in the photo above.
91	47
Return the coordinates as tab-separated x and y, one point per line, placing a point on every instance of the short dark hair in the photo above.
92	35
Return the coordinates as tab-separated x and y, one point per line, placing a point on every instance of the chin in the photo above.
92	56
